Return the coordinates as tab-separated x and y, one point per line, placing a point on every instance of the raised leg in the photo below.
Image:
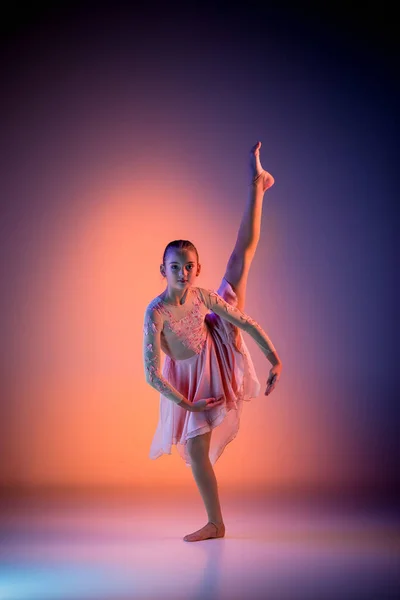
239	263
198	448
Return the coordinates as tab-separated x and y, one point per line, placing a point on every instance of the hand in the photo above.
207	404
273	378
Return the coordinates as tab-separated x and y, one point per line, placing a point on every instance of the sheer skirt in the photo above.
223	368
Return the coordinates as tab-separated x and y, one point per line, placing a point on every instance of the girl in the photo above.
208	371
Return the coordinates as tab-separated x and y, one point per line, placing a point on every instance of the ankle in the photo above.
217	522
258	179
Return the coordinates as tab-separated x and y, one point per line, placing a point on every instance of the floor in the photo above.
110	545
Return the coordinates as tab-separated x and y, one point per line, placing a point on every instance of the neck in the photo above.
174	297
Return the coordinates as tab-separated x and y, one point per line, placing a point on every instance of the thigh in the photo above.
199	446
237	271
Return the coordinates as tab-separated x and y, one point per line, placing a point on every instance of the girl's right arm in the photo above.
152	328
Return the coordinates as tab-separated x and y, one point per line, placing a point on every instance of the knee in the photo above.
198	448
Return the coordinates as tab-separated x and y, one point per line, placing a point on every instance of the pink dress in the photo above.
222	366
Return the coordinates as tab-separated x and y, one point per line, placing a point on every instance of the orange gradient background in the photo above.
107	161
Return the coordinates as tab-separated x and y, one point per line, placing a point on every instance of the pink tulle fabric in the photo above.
223	368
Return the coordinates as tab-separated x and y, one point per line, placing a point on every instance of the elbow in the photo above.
153	384
150	379
149	376
153	377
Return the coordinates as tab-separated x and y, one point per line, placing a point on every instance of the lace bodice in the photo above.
185	336
182	329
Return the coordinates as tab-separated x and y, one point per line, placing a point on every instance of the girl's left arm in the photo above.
217	304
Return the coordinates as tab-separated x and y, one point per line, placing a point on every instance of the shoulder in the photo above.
153	310
154	303
205	295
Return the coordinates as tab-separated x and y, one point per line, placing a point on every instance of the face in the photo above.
181	268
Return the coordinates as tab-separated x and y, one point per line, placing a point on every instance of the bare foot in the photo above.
258	174
211	530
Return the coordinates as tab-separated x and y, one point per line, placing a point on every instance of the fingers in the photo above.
214	402
270	388
218	400
271	384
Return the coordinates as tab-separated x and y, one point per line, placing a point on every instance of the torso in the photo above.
184	329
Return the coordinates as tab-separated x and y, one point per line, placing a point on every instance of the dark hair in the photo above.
180	245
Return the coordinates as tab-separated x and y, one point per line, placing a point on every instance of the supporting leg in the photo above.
206	481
